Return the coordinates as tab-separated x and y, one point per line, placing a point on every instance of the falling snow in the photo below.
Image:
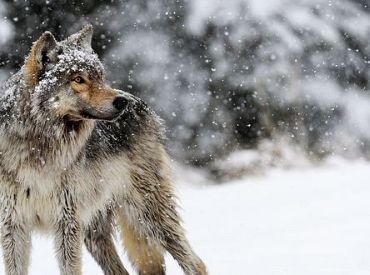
258	95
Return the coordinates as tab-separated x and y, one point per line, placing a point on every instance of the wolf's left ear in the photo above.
83	37
41	54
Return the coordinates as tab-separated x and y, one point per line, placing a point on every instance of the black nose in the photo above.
119	103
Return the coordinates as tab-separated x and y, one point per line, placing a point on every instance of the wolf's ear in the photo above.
41	54
83	37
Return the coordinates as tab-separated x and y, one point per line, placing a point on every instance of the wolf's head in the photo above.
67	79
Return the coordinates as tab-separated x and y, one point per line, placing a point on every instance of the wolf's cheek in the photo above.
64	105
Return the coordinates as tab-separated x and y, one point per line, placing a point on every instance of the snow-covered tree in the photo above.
226	74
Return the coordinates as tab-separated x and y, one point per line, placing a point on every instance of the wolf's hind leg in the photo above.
98	241
146	257
151	211
167	228
156	222
166	233
16	241
175	242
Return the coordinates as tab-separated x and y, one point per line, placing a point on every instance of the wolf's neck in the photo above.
40	144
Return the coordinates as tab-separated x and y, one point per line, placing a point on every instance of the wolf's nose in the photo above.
119	103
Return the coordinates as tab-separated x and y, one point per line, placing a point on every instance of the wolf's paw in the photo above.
201	268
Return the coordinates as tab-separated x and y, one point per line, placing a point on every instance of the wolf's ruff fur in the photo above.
76	154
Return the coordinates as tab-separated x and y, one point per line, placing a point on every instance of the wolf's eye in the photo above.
78	79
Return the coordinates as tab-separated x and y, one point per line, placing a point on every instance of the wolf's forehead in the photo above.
77	60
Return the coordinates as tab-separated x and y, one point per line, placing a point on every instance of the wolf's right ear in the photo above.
40	55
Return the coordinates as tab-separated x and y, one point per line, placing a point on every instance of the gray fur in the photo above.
99	242
71	164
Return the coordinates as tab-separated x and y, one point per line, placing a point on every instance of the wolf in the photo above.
79	158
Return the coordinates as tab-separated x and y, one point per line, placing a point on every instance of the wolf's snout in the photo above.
120	103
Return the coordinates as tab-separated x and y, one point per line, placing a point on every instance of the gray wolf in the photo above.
78	157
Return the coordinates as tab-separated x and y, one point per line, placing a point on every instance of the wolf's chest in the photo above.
36	197
41	182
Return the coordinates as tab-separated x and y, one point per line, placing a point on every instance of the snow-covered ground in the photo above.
301	221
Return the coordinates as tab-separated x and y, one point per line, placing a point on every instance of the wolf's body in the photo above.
66	170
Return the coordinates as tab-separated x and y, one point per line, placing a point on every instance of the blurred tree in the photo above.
31	18
222	74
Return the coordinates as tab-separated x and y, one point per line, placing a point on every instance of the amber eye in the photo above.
78	79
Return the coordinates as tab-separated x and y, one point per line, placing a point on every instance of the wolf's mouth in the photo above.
91	115
85	114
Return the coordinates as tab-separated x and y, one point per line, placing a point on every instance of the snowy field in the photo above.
303	221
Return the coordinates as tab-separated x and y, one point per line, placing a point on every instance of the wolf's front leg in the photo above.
15	238
68	237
